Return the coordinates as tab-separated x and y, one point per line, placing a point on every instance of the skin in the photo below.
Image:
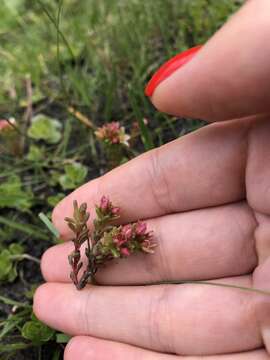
207	198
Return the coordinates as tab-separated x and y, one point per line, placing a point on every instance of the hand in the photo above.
206	197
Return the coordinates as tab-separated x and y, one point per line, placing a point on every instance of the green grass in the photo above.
96	57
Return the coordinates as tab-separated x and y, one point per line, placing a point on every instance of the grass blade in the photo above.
9	301
49	224
25	228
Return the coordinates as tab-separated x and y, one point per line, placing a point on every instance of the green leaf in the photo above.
30	293
5	264
56	354
13	5
66	182
25	228
35	153
62	338
45	128
54	199
49	224
75	174
8	326
37	332
12	274
12	195
115	253
36	96
16	249
13	347
76	171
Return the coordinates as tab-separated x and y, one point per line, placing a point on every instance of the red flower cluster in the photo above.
134	237
112	133
106	241
122	241
106	207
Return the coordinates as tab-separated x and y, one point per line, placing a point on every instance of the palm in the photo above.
208	208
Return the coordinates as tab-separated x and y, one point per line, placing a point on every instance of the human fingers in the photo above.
88	348
227	78
202	244
165	318
202	169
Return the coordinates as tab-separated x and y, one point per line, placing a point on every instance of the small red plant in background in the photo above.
105	242
113	133
115	143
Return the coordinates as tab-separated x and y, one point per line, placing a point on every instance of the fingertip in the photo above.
162	99
44	261
228	79
54	263
88	347
58	219
40	298
81	347
50	306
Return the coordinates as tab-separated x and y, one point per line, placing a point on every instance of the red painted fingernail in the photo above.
169	67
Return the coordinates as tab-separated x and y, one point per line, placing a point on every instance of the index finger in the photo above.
229	77
202	169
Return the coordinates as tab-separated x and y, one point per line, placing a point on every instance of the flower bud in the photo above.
141	228
104	203
125	251
127	231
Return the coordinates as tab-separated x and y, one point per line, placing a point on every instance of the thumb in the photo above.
229	77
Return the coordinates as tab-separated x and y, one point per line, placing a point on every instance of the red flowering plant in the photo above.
112	133
105	242
115	141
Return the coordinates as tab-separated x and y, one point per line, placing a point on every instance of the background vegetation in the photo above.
67	68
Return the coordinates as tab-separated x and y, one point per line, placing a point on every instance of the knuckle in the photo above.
159	183
159	320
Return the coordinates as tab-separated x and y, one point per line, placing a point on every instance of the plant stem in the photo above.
26	257
54	22
201	282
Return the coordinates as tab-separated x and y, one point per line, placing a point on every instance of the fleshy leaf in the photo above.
75	174
36	153
37	332
16	249
45	128
12	195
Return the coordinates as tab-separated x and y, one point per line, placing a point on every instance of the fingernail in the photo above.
169	67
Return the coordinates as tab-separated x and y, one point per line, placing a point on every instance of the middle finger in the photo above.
203	244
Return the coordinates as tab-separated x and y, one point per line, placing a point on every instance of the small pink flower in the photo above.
113	133
148	245
115	210
104	203
114	126
127	231
107	208
141	228
119	240
125	251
